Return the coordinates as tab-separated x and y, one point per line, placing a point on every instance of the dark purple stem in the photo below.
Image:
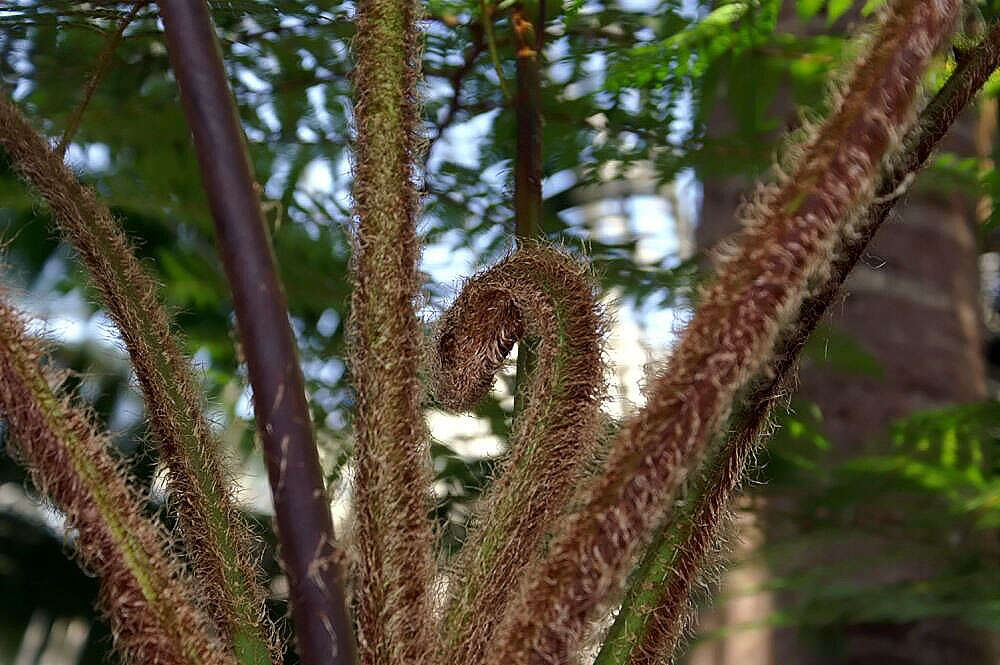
305	528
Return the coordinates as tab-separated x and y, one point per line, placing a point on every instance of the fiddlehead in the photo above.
542	294
789	238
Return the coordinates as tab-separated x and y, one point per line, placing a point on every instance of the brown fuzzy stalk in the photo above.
537	293
650	625
150	604
216	535
393	529
790	236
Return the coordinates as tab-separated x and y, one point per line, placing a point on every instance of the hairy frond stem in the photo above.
657	608
393	530
154	617
217	536
790	236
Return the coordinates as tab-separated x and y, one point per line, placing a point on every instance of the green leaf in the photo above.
836	9
871	6
808	8
841	352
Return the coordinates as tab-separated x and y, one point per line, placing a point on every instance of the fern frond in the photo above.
790	237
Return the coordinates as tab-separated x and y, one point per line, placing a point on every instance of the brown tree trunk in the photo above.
914	307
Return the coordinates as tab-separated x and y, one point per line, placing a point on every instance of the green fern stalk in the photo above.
101	67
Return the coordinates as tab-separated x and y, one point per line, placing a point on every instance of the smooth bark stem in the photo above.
305	528
528	159
528	37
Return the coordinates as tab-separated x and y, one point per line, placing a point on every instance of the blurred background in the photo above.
870	530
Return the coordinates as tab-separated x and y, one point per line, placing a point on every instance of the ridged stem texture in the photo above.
790	236
217	536
658	607
545	294
150	605
393	530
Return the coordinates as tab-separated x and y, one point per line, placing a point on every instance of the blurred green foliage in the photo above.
936	493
